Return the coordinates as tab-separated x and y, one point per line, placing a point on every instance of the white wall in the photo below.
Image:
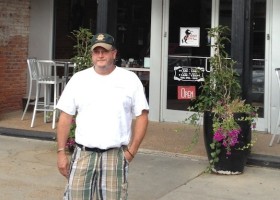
41	29
275	62
40	43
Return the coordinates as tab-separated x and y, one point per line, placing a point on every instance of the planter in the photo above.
234	163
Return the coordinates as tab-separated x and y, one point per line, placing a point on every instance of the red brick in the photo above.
13	53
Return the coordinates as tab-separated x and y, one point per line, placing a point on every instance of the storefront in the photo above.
168	40
174	63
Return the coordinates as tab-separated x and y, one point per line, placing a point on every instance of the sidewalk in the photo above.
165	137
28	172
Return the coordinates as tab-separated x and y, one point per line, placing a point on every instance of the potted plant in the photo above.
82	60
227	119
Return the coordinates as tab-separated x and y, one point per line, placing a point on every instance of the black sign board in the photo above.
188	73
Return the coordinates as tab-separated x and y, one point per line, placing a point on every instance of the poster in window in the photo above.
189	36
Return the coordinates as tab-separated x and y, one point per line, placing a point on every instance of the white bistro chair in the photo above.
46	77
31	65
277	71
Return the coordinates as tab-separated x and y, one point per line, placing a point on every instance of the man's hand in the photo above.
129	157
139	131
63	128
63	163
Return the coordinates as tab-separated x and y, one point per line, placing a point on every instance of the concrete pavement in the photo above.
28	172
161	136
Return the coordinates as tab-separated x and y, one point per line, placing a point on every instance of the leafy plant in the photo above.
220	95
82	59
222	83
70	144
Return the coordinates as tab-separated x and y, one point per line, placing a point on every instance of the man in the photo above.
105	98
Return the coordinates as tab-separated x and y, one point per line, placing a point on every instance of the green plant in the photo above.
71	138
82	59
220	95
222	82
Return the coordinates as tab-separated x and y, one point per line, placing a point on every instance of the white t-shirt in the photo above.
105	106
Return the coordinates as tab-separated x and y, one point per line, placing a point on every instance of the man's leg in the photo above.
82	178
112	180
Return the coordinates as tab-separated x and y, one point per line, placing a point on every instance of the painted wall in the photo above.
274	91
41	29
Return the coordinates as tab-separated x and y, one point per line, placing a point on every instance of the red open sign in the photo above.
186	92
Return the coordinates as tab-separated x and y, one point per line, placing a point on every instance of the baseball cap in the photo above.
102	40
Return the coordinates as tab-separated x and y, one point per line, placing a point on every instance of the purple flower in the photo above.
218	136
70	142
227	138
233	137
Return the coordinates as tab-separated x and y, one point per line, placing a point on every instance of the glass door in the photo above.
259	61
187	54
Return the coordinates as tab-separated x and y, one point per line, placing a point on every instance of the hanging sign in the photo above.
186	92
188	73
189	36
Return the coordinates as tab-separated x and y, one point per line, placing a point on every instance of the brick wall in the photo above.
14	31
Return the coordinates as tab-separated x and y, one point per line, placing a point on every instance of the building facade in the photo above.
14	36
168	39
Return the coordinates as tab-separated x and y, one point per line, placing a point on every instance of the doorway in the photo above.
180	80
187	49
260	63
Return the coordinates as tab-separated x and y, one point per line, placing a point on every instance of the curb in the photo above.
264	160
170	154
39	135
253	159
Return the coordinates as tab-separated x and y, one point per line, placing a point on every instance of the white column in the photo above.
155	60
274	91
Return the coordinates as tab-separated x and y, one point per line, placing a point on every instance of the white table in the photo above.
66	64
143	73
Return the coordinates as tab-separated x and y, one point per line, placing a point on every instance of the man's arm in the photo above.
63	129
139	132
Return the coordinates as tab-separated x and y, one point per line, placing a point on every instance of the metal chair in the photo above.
31	64
46	76
277	71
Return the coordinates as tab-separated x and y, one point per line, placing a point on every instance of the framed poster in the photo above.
189	36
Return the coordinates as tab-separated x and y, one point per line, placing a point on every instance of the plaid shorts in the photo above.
97	175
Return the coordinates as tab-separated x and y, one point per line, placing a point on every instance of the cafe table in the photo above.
66	63
143	73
